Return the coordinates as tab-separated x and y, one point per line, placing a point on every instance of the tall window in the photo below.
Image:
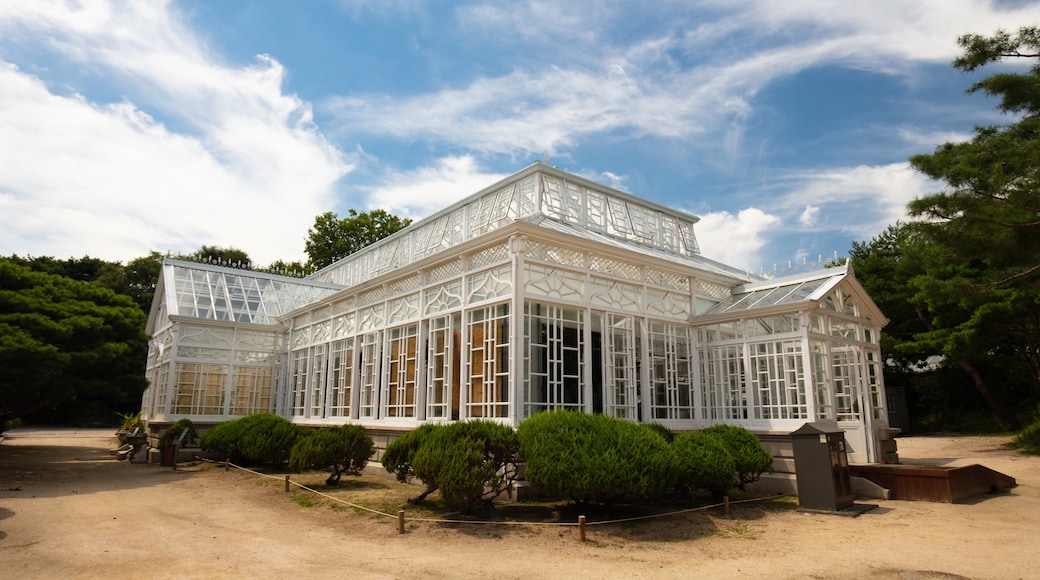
620	354
401	370
316	396
443	368
554	360
368	399
341	367
299	382
722	377
846	381
670	372
488	362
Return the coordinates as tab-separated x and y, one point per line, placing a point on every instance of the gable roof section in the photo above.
789	292
208	292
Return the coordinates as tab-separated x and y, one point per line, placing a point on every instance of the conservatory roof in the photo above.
806	287
538	191
695	261
219	293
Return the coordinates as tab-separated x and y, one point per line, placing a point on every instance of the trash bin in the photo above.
821	467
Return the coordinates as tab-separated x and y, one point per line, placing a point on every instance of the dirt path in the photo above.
68	509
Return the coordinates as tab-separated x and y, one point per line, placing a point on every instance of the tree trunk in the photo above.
1009	420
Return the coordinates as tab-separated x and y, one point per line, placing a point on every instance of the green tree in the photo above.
220	255
344	449
63	340
969	267
987	220
332	238
468	461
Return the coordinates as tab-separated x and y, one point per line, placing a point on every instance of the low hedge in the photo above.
343	450
594	458
259	438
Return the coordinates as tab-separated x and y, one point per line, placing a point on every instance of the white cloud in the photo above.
738	239
249	169
860	201
808	217
423	191
685	78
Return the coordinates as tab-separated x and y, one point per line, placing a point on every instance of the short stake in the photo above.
725	505
227	464
581	528
287	482
400	521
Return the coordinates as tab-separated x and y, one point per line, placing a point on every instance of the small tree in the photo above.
750	459
469	462
344	449
594	457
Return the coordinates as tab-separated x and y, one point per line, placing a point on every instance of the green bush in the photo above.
343	449
663	431
469	462
750	458
259	438
172	434
594	458
703	462
1028	439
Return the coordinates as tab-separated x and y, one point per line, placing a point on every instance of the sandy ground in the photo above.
68	509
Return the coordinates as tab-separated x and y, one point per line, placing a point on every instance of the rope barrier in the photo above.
499	523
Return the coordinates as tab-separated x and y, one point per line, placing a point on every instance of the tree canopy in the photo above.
332	238
963	279
63	339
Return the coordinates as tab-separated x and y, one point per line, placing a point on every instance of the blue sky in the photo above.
127	127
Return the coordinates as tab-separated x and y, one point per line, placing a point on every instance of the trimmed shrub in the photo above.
343	449
661	430
750	458
703	462
469	462
259	438
397	458
173	433
594	458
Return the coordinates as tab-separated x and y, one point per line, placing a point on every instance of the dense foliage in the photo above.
342	449
172	434
1028	440
469	461
702	461
64	340
750	459
258	438
594	458
332	238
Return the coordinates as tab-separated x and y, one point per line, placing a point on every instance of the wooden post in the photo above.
725	505
227	464
287	482
581	528
400	521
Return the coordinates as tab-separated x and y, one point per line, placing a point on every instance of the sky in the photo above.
131	127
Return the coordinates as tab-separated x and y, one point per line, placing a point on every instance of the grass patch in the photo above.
303	501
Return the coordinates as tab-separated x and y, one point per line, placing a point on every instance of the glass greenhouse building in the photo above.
543	291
